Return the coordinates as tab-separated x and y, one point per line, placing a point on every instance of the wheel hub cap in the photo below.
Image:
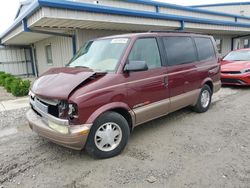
205	98
108	136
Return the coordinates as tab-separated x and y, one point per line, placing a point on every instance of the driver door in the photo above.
148	93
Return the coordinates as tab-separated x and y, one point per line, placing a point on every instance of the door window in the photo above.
205	48
146	49
180	50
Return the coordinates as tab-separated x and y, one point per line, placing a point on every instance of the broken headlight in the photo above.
66	110
62	109
73	111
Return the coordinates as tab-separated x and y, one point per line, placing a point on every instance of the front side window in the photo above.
205	48
146	49
180	50
48	52
100	55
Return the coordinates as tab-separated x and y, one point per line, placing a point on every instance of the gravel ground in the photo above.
183	149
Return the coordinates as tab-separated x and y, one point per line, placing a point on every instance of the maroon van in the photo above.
115	83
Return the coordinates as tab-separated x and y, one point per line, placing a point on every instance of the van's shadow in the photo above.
160	122
235	87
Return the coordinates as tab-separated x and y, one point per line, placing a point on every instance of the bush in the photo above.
20	87
2	78
7	82
16	86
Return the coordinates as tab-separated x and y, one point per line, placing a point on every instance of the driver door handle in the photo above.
165	81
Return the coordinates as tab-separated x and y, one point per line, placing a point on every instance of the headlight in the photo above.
62	108
245	71
67	110
73	111
31	94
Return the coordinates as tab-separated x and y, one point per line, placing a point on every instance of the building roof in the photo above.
221	4
180	7
21	20
23	7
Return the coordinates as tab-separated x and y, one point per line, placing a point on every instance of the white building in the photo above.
54	30
242	8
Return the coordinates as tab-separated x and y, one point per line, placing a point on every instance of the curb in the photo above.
14	104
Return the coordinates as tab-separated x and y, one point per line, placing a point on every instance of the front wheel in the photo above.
204	100
108	136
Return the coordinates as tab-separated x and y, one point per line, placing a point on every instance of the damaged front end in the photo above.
51	114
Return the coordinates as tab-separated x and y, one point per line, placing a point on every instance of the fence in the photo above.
17	61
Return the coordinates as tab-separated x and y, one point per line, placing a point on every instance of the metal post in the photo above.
34	60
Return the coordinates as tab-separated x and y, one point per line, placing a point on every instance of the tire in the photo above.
203	106
108	135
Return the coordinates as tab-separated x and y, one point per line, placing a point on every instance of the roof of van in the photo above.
154	33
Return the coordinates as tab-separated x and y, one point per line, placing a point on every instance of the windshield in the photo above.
100	55
238	56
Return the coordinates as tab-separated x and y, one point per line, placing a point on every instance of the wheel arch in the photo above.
118	107
208	82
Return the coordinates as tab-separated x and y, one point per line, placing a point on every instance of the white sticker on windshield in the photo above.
119	41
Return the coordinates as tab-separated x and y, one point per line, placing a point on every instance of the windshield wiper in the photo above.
81	67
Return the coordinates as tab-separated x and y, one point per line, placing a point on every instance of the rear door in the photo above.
148	93
181	60
207	66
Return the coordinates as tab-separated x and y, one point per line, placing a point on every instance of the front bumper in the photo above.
236	79
75	137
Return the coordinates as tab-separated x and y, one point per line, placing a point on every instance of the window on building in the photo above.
219	45
247	43
180	50
48	52
205	48
146	49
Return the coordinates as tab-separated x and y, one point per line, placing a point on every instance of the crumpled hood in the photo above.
236	66
58	83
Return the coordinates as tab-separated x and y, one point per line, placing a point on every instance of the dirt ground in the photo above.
183	149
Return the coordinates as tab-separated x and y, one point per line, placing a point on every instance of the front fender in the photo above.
106	108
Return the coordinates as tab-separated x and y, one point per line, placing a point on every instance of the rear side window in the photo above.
146	49
205	48
180	50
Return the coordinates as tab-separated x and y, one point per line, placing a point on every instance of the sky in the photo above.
8	9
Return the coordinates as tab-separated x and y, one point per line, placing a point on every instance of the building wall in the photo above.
243	10
16	61
226	43
84	36
62	52
245	42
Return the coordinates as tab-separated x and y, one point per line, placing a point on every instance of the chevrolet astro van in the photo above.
115	83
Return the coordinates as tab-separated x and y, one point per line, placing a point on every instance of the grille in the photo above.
233	81
231	72
43	106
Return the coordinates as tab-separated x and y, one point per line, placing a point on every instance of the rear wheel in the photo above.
204	100
108	136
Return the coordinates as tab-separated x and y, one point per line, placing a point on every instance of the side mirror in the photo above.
134	66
